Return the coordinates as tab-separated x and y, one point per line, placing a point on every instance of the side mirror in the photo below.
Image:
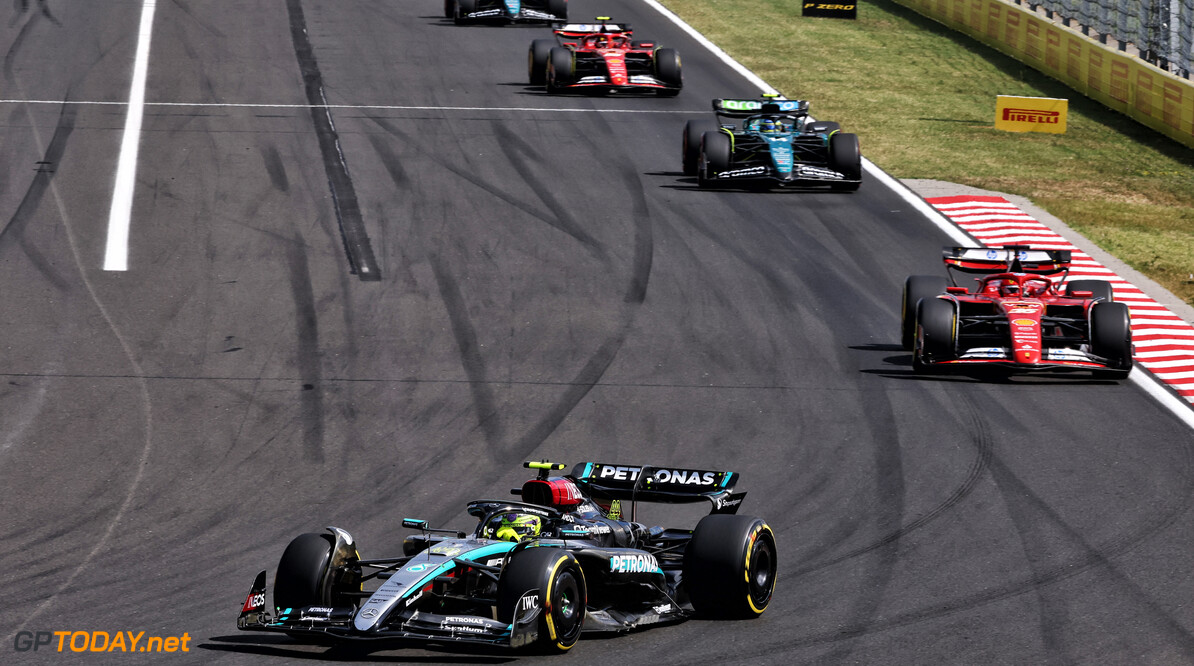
414	523
957	290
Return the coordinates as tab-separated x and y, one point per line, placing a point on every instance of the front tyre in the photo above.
937	337
560	69
845	157
302	571
714	157
449	8
558	8
554	577
916	288
537	60
667	70
1111	338
730	566
463	9
691	151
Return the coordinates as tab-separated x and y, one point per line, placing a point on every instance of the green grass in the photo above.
922	100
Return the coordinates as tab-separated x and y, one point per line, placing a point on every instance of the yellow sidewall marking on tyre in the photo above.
753	537
551	627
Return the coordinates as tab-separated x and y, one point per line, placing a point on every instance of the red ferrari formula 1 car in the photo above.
603	57
1016	317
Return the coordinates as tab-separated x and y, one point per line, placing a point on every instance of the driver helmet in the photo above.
602	42
768	126
513	526
1033	288
1009	288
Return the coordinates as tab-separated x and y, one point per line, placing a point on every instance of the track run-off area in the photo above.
369	270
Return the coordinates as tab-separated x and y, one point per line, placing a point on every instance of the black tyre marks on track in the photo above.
344	196
22	7
561	219
33	196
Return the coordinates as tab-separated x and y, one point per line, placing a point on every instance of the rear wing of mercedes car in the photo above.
1006	259
664	485
741	108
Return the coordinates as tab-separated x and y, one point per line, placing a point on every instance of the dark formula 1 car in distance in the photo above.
777	144
603	57
1016	317
538	571
534	11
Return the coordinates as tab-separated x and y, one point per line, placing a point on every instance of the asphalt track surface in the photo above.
546	285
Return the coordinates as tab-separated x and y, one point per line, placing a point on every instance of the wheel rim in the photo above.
762	573
567	607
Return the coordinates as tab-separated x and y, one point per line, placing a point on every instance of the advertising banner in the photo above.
846	10
1030	114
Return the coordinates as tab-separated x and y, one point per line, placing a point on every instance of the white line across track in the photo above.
362	107
116	254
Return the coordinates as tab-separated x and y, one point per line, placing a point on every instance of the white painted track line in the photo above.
362	107
120	215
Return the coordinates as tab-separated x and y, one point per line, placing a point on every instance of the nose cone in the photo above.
1028	356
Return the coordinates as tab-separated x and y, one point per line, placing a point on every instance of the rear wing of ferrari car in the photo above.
665	485
741	108
1006	259
582	29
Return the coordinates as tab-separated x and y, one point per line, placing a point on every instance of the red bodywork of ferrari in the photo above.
1019	319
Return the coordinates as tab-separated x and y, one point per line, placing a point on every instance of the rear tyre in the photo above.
937	338
556	577
301	572
667	70
1097	288
916	287
463	9
714	158
845	157
537	60
730	566
691	152
558	8
560	69
1111	338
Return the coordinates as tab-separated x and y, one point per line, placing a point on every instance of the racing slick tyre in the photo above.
1097	288
560	69
667	70
463	9
1111	338
916	287
449	8
730	566
714	157
537	60
691	152
554	575
937	323
301	572
558	8
845	157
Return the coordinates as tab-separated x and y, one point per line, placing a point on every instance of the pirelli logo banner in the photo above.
846	10
1030	114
